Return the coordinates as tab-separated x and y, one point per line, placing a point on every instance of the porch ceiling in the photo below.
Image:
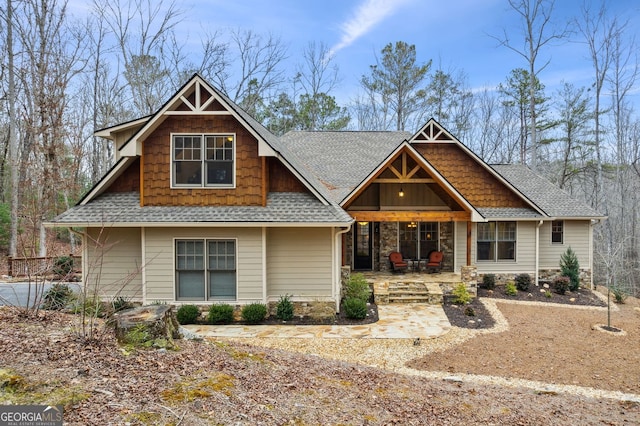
408	216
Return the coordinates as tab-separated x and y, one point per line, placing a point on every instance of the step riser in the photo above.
408	292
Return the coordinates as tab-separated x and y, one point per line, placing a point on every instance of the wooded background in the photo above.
62	78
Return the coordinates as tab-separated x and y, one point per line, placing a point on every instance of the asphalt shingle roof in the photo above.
342	160
282	207
554	201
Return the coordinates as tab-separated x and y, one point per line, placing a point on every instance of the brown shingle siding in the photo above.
157	167
480	187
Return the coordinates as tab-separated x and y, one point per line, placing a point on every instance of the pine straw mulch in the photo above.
44	361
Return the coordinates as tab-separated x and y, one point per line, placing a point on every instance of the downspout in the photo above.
337	247
536	275
264	265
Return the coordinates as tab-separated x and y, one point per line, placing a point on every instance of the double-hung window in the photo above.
557	232
202	160
206	269
496	241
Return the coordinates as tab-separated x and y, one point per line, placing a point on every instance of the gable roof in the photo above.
553	201
268	144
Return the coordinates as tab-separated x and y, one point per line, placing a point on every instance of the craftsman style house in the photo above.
205	205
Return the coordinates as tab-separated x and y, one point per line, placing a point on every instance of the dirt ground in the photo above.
219	382
553	343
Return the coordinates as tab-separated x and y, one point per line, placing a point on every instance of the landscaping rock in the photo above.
147	325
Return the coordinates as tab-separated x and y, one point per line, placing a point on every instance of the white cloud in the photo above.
366	16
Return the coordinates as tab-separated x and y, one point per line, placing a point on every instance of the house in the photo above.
205	205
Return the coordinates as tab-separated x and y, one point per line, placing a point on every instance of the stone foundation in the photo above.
319	310
551	274
468	277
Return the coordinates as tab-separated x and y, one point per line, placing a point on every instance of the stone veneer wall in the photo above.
446	245
543	275
348	248
550	274
388	243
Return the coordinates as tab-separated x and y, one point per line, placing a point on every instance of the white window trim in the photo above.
206	300
496	260
203	185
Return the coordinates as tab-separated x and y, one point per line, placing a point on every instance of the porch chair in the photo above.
397	262
434	264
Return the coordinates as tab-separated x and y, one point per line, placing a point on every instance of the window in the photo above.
418	239
206	269
203	160
557	232
496	241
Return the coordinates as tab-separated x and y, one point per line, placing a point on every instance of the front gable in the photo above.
472	177
156	155
406	187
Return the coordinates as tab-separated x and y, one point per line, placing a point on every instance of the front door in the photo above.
362	258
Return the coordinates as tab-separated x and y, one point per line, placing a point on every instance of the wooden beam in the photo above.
404	180
408	216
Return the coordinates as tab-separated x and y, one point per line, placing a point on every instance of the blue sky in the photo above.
455	34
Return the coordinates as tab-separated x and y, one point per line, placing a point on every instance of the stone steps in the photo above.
408	292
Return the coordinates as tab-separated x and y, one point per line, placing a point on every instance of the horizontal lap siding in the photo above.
114	263
299	262
525	253
160	273
460	245
576	236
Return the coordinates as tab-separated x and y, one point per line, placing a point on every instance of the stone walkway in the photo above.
401	321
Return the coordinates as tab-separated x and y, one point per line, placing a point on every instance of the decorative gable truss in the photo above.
196	98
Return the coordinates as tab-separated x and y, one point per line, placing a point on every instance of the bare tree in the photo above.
141	29
599	33
259	60
535	16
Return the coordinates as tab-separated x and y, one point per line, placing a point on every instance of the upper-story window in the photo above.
203	160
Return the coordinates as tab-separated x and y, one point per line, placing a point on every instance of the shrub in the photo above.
570	268
355	308
469	311
187	314
461	295
523	281
284	308
561	284
62	266
510	289
254	313
220	314
489	281
120	304
357	287
548	294
58	297
620	296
